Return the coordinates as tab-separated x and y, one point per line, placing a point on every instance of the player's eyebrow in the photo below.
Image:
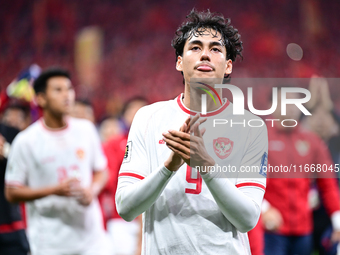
198	42
195	42
214	43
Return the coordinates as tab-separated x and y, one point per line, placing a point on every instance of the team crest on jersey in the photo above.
80	153
127	155
223	147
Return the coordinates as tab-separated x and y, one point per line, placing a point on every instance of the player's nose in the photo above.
205	55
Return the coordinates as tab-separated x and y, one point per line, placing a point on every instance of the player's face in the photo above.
59	96
204	56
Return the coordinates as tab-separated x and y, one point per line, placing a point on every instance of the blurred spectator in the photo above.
286	215
125	236
323	122
17	116
83	109
129	111
13	240
109	128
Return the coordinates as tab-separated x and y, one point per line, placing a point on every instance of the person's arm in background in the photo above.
328	187
140	235
271	217
18	192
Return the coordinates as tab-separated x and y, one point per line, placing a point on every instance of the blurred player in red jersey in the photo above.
286	214
58	168
125	236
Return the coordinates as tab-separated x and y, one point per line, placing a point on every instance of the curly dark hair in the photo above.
198	23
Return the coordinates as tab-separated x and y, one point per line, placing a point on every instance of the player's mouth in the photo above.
204	68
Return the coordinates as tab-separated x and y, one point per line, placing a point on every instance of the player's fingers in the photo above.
187	121
176	139
184	156
186	124
184	127
202	120
199	123
203	131
196	130
193	120
182	135
178	146
72	181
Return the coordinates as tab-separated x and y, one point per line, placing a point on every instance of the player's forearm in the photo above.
99	180
134	198
240	209
16	194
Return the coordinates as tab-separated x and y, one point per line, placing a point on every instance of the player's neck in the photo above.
54	121
193	100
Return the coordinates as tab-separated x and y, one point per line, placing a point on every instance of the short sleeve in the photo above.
17	164
135	163
99	160
252	172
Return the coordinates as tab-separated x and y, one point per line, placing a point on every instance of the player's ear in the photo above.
228	67
179	64
41	99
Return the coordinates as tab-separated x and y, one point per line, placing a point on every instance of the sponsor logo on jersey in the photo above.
264	163
80	153
223	147
127	155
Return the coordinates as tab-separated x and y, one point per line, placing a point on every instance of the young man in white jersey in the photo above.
58	168
187	207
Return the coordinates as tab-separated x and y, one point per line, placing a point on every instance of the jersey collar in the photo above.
54	130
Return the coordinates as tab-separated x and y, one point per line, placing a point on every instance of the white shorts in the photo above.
101	247
124	236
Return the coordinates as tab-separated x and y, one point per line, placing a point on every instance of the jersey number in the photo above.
197	181
65	173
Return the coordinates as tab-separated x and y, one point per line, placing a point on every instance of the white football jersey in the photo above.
186	219
42	157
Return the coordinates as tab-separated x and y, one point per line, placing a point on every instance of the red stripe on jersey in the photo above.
249	184
180	104
131	175
14	226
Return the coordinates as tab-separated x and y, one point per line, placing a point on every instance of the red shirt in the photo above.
114	150
290	195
